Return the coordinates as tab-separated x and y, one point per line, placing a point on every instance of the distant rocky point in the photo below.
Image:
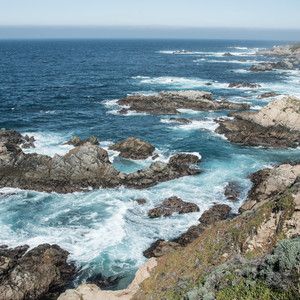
171	101
276	125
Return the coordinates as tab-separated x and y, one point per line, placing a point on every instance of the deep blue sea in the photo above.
55	89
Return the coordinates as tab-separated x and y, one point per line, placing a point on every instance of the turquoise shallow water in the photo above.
56	89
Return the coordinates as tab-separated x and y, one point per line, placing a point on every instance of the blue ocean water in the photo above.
55	89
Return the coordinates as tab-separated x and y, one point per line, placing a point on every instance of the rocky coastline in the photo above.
84	167
171	101
276	125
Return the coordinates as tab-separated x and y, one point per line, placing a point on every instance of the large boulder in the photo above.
215	214
276	125
184	158
41	271
171	101
161	248
133	148
172	205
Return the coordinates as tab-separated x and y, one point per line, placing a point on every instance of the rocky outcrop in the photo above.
76	142
40	272
133	148
81	168
93	292
241	84
172	205
232	191
289	51
281	65
276	125
269	182
184	159
181	120
170	102
268	95
211	216
16	138
228	54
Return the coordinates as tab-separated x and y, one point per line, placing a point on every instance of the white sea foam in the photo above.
206	124
48	143
110	103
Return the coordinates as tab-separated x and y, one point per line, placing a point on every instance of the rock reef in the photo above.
276	125
83	167
170	102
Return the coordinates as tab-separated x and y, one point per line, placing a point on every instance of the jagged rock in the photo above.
276	125
215	214
82	167
161	248
181	120
35	274
241	84
228	54
16	138
268	95
169	102
133	148
172	205
208	83
232	191
75	141
184	158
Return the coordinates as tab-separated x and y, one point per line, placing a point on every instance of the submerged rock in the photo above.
181	120
232	191
276	125
83	167
170	102
172	205
133	148
41	271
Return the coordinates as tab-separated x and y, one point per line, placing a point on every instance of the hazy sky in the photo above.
188	13
279	19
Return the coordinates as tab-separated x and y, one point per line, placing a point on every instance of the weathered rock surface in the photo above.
133	148
161	248
169	102
184	158
40	271
289	51
83	167
276	125
16	138
215	214
75	141
172	205
241	84
180	120
93	292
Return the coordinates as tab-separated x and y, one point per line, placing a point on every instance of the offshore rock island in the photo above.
171	101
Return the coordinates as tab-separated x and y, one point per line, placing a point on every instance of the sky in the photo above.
25	17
